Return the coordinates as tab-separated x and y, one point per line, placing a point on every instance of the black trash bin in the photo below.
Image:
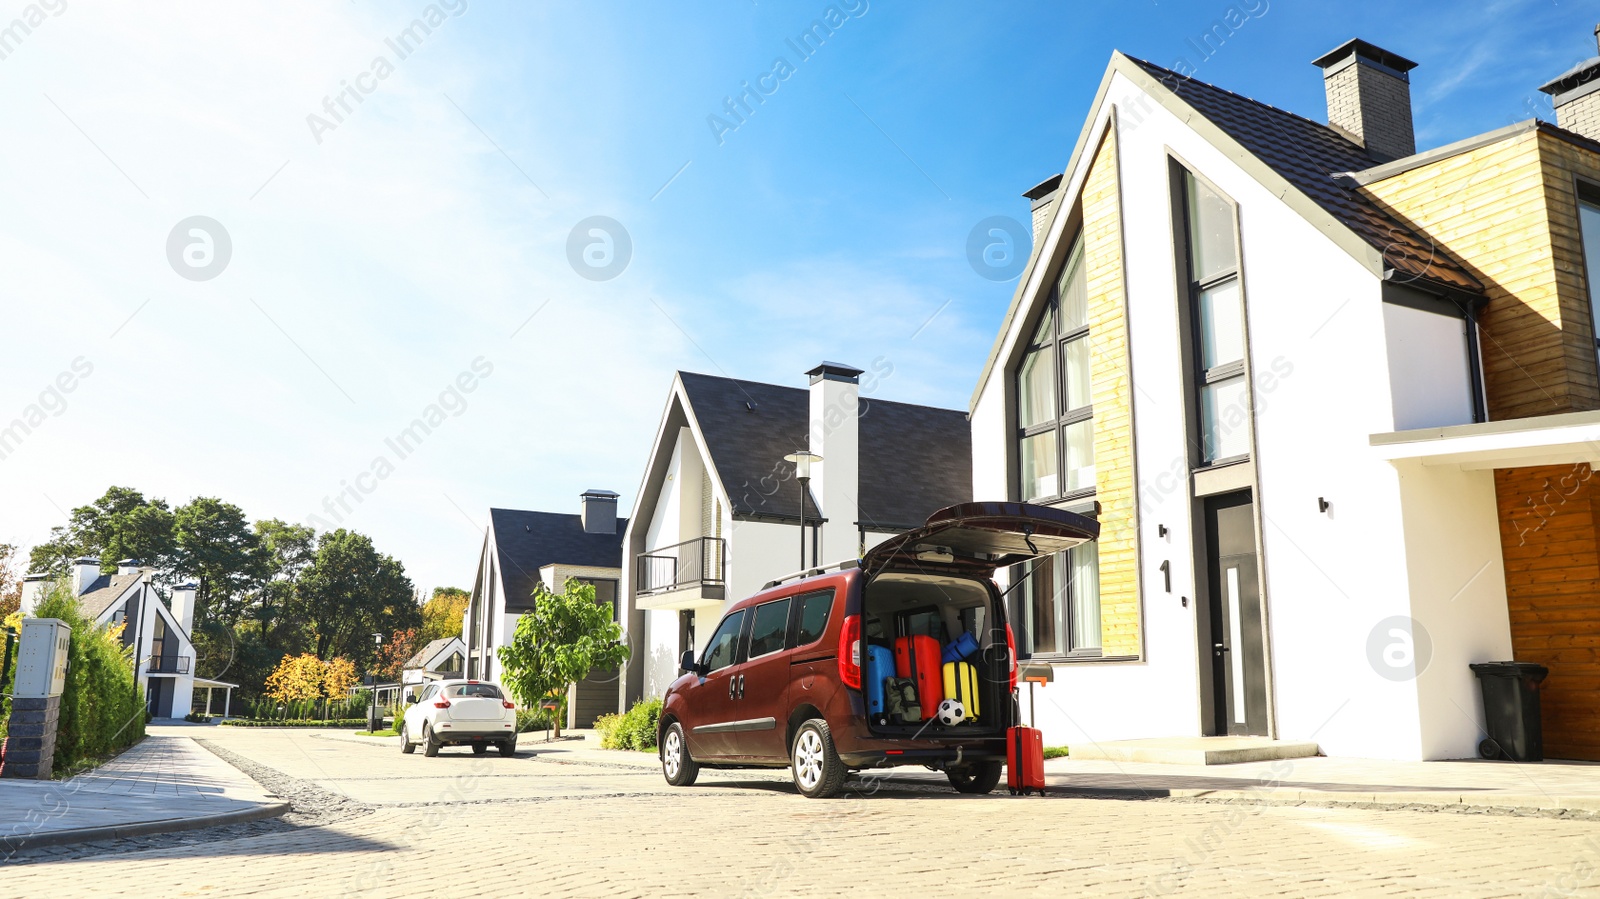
1511	710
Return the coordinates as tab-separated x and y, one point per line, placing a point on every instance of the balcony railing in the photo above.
158	665
697	562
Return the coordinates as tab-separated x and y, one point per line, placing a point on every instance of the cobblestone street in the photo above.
369	821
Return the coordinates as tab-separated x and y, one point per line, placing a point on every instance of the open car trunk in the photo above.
930	600
918	607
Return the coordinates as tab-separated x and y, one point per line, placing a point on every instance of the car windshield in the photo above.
487	691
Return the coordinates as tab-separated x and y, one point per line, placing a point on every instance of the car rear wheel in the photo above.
980	777
430	746
406	746
508	748
818	772
480	748
679	768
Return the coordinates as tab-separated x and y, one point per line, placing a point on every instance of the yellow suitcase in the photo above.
961	684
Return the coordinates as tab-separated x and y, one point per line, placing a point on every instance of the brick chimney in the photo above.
1576	95
1369	98
1043	195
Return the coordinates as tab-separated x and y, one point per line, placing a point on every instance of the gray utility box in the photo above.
42	658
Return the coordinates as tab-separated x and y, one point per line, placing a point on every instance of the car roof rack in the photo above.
803	573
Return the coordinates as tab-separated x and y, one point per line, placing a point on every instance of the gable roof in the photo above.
1309	155
434	647
914	459
1305	163
103	592
527	541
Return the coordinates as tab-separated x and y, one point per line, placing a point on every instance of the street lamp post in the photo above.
372	695
803	461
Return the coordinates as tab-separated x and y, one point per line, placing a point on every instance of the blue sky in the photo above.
422	238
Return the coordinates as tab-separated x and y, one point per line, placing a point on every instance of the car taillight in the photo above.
1011	650
850	652
441	704
508	703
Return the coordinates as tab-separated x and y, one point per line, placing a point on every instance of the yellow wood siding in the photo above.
1111	394
1507	211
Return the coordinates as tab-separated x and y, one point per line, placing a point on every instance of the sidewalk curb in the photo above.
1442	799
140	828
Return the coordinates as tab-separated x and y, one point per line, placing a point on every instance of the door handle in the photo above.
733	685
741	686
1218	648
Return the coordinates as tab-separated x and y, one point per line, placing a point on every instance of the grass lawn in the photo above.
1055	752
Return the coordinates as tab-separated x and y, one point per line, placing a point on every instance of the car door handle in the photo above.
733	686
741	686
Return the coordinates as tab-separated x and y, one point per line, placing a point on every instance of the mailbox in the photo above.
42	658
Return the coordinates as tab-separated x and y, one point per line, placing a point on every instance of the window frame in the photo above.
738	641
1209	377
1065	597
1587	193
797	608
1062	416
783	633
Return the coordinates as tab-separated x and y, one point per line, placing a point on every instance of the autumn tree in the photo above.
396	651
10	581
296	677
338	678
557	644
442	613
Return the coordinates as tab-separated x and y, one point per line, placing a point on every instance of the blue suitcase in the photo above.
880	665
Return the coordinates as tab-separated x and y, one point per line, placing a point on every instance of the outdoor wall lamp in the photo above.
803	460
1161	530
1323	505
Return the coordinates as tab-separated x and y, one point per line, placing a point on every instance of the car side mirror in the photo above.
411	699
687	663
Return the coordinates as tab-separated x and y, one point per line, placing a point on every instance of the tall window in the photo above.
1589	222
1058	609
1218	317
1055	426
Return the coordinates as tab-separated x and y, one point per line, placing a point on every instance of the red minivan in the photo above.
787	679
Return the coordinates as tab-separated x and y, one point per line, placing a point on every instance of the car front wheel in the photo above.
976	778
430	746
818	772
679	768
406	746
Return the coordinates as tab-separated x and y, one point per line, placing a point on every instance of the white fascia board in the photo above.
1501	449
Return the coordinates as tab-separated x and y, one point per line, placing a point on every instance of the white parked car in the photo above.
456	712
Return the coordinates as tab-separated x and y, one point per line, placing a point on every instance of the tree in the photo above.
10	581
396	651
296	677
121	524
338	678
567	635
215	545
351	591
441	614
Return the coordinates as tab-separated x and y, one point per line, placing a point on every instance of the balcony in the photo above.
174	665
686	575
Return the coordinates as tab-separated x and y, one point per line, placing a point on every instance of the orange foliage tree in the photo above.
296	677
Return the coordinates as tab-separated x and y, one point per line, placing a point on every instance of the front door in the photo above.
711	701
1237	651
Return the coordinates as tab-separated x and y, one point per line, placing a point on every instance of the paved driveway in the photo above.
374	822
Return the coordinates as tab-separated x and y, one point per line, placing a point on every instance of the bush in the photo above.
102	709
533	719
634	729
307	709
334	722
197	718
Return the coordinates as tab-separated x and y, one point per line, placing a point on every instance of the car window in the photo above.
770	625
427	694
812	619
486	691
723	647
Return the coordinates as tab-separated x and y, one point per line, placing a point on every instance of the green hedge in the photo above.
270	722
634	729
310	709
102	709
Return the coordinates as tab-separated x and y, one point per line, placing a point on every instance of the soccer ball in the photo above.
951	713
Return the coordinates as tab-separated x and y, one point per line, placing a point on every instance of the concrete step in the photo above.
1194	750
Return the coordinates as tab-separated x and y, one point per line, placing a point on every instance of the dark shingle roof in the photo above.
915	460
1308	155
103	591
528	541
429	651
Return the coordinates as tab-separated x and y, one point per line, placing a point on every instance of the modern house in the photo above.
719	512
164	654
1334	403
439	660
524	549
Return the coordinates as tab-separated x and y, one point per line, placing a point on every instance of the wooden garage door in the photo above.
1548	527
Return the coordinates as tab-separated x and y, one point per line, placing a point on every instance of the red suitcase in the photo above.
1024	760
918	659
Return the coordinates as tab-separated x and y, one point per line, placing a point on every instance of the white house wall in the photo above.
1431	381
